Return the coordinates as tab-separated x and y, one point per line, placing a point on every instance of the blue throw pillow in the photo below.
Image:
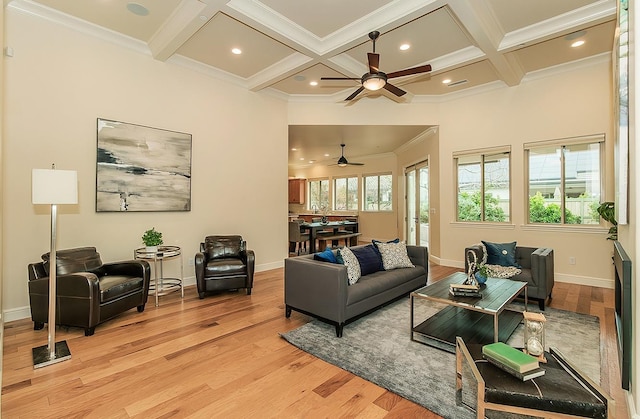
370	260
326	256
503	254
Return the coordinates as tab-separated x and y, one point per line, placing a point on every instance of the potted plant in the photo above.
607	210
481	274
152	239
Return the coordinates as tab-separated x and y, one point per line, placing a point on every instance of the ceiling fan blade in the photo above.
354	94
355	164
395	90
339	78
409	71
374	62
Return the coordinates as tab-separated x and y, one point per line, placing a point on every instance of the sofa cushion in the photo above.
326	256
352	264
217	247
81	259
224	267
503	254
116	286
369	259
379	282
394	255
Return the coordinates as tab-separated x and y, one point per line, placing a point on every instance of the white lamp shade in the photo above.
50	186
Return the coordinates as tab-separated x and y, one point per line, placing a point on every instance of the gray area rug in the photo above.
378	348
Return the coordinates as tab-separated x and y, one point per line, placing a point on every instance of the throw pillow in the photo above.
503	254
326	256
369	259
375	244
394	255
352	264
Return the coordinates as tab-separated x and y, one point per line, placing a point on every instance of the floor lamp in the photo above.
53	187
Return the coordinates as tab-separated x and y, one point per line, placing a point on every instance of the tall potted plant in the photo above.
607	210
152	239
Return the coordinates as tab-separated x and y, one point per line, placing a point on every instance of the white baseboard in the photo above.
559	277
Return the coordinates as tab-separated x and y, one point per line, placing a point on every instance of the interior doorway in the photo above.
417	204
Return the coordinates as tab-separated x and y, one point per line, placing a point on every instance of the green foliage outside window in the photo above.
540	212
469	207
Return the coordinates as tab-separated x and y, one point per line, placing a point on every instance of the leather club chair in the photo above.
89	292
224	263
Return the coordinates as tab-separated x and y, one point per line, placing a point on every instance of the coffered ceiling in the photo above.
287	44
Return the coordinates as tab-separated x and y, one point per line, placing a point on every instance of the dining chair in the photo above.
296	237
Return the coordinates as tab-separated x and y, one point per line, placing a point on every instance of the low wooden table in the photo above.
477	320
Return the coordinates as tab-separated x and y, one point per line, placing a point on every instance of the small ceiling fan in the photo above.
342	161
376	79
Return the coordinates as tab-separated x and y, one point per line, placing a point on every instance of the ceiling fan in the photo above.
342	161
376	79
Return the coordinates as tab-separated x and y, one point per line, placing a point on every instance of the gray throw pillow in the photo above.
394	255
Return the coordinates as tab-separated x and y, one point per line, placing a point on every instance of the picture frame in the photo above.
141	169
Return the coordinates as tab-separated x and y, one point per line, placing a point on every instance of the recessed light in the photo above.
294	149
577	44
404	47
236	51
312	161
301	158
313	83
137	9
446	81
326	154
203	18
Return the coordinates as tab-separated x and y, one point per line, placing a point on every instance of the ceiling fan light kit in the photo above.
343	162
376	79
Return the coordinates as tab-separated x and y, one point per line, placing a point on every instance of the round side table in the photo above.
162	285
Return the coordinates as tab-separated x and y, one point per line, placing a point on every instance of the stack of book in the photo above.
513	361
464	290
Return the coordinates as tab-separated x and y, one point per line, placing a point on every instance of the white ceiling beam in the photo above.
486	32
187	19
279	71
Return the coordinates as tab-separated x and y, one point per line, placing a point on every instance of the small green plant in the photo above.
152	237
607	210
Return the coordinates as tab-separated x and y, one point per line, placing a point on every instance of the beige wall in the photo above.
59	81
548	106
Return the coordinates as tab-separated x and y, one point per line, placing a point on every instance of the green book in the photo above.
524	376
510	356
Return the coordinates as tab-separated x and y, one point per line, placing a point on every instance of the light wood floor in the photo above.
223	357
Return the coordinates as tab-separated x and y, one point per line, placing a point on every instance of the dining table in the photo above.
314	228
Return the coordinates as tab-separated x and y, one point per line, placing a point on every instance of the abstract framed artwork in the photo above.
141	168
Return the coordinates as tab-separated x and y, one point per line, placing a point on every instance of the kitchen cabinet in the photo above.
296	191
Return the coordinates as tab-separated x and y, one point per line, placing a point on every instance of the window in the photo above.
483	185
565	180
319	194
377	192
345	194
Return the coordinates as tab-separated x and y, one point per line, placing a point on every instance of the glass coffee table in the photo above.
477	320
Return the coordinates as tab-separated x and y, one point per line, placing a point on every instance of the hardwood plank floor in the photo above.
222	357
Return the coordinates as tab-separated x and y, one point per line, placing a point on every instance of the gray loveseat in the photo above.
537	270
321	289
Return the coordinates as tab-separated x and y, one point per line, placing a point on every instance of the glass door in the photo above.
417	202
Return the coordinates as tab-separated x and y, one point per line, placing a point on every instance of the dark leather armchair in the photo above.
224	263
88	291
537	270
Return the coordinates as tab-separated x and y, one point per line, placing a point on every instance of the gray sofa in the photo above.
321	289
537	270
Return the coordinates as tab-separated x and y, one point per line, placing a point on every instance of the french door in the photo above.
417	202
